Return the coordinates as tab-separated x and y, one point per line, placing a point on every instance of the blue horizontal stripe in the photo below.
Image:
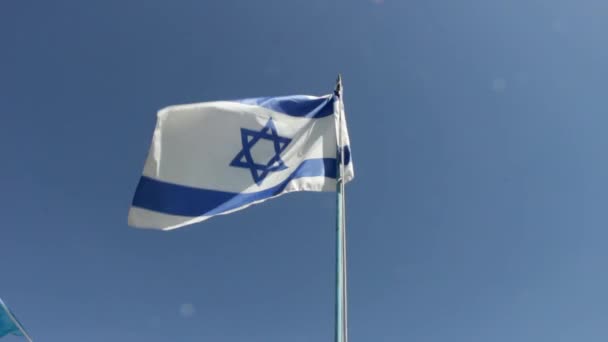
182	200
295	105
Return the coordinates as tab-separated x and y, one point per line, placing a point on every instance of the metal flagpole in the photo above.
341	298
10	315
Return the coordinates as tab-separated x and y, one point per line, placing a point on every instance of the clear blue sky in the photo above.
478	212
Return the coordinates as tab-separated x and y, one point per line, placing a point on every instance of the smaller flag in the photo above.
8	322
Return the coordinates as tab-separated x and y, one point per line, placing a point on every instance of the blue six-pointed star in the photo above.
249	138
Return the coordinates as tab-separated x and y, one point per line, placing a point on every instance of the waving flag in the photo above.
9	325
214	158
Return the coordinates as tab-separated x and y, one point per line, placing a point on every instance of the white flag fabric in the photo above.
214	158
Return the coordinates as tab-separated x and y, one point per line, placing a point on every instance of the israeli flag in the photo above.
215	158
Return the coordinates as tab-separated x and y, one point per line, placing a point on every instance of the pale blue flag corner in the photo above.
214	158
8	322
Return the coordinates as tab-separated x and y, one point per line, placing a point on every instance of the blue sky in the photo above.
478	212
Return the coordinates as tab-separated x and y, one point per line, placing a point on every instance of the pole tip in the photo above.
339	84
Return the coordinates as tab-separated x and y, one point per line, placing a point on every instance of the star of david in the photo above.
249	138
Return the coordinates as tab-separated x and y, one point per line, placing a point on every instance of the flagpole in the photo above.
341	333
15	321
